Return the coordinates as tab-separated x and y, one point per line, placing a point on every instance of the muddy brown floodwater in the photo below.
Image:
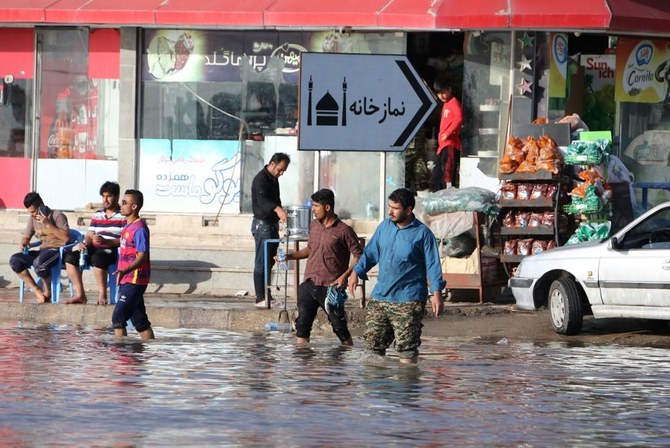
519	326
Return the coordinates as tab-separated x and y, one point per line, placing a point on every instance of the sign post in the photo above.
356	102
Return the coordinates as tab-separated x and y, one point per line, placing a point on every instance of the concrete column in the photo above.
128	142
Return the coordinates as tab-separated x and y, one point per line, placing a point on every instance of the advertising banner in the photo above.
642	70
558	65
193	55
190	176
232	56
599	108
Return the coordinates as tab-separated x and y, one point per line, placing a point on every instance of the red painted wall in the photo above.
15	182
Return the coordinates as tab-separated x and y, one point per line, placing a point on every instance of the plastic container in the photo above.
281	259
278	326
298	219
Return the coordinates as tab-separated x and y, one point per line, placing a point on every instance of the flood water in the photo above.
71	386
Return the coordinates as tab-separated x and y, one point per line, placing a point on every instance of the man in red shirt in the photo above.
445	172
134	269
330	246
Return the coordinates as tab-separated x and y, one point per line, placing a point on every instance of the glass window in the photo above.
75	109
16	118
486	71
354	177
202	86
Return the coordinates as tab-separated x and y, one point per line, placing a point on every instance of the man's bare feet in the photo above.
102	300
74	300
42	297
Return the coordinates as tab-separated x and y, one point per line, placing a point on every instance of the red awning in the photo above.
447	14
116	12
212	12
23	11
624	16
324	13
643	16
556	15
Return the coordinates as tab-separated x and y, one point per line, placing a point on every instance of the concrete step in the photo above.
190	254
207	271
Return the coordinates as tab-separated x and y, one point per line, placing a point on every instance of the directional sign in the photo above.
360	102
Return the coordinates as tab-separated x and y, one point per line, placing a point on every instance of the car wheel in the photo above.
565	306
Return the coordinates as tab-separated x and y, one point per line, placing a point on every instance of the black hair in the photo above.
324	197
110	187
32	198
279	157
404	197
139	197
442	83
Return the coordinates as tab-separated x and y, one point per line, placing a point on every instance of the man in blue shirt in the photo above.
407	254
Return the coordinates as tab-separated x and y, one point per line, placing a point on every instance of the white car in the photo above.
626	275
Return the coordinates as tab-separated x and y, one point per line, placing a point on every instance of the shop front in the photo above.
187	102
59	108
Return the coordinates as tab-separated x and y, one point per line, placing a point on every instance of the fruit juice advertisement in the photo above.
599	107
642	71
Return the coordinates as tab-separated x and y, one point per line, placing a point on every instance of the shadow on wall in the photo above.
189	273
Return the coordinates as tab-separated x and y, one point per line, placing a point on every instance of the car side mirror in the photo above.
615	243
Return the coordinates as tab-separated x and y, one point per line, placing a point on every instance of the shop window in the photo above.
79	114
221	122
15	118
486	86
206	92
341	172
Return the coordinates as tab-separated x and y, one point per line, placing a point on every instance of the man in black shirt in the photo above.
266	205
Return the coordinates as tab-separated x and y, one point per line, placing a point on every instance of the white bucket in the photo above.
299	217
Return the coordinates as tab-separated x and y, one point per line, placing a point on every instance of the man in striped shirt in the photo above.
101	243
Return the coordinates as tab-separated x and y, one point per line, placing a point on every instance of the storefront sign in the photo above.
194	55
360	102
642	71
190	176
558	65
200	55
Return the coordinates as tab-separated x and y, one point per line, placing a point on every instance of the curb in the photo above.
206	317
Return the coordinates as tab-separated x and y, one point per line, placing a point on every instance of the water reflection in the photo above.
78	387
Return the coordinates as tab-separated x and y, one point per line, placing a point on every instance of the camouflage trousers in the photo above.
387	321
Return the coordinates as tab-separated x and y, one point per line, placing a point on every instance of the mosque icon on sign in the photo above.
327	108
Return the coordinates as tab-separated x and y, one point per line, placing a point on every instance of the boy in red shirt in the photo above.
445	172
134	269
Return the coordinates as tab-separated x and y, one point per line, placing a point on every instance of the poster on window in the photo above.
190	176
599	107
642	71
558	65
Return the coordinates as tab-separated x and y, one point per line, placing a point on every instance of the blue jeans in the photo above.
263	230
